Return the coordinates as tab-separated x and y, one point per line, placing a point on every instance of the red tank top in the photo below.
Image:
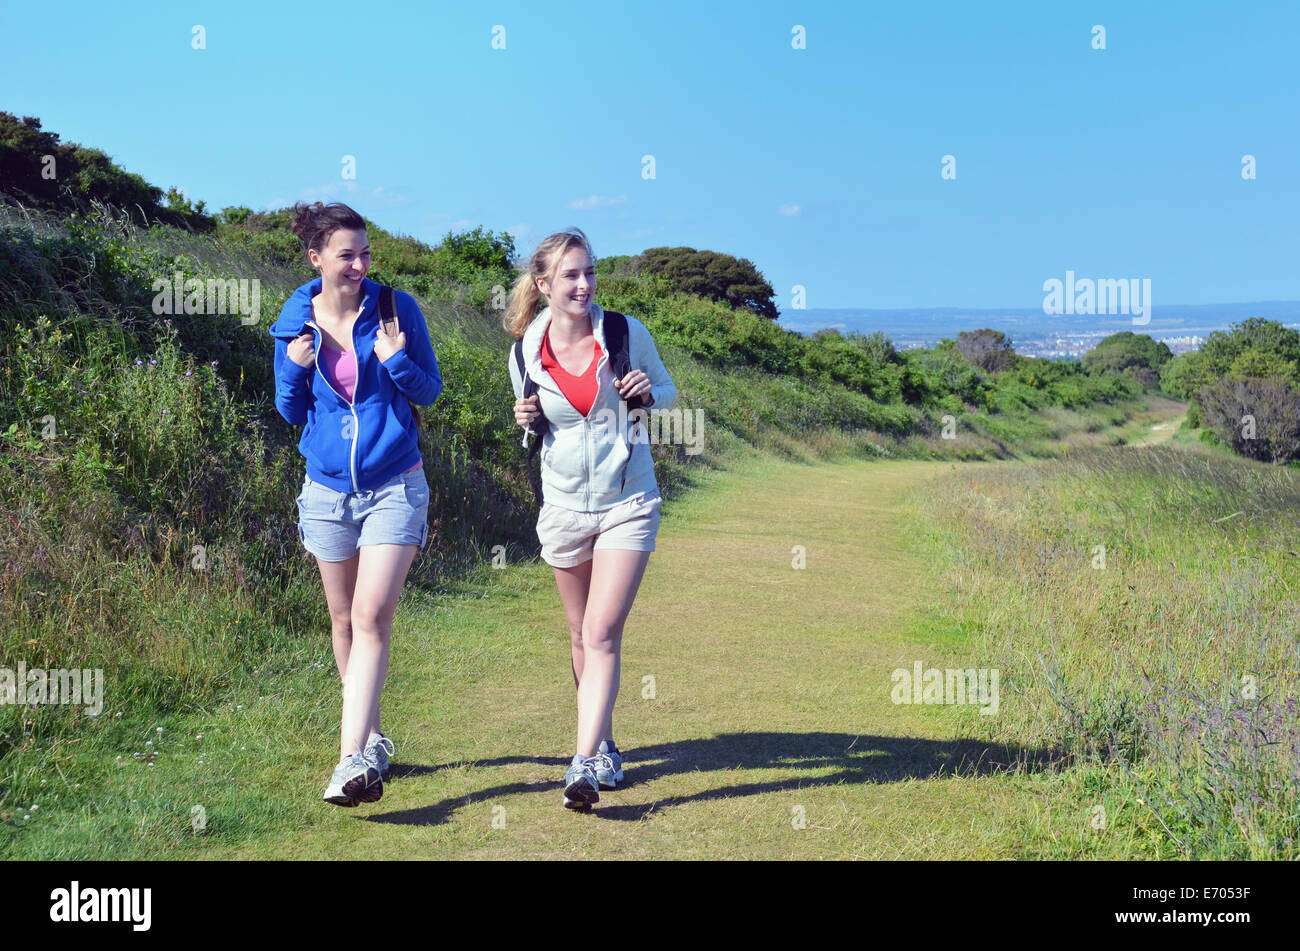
578	390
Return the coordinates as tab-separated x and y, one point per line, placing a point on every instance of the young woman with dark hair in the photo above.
363	507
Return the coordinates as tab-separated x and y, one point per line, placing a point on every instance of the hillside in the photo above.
148	484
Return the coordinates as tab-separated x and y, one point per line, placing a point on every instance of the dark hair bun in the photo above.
314	223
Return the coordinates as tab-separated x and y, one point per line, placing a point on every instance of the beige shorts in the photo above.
570	538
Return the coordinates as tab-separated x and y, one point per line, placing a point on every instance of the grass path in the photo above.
1162	432
769	732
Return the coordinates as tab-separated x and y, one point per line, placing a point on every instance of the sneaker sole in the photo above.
364	789
340	800
580	796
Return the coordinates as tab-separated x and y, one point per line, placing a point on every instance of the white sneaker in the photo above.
355	780
378	749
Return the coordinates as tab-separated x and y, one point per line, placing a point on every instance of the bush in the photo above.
1259	418
988	349
711	275
1138	355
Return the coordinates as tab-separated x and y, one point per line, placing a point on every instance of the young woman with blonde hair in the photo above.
600	501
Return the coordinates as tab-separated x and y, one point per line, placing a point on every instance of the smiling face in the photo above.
572	285
344	260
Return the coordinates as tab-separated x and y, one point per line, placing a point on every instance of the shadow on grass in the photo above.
811	759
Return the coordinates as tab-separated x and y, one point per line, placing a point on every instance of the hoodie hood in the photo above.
296	311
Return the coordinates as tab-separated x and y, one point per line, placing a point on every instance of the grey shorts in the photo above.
569	538
334	525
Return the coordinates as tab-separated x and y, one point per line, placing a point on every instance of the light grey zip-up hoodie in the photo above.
591	463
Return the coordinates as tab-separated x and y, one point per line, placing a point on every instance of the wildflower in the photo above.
35	808
160	731
138	363
153	363
188	372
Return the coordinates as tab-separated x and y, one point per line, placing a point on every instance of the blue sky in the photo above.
821	165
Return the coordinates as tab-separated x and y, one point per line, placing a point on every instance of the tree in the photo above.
735	282
480	250
986	348
1255	348
1138	355
1258	332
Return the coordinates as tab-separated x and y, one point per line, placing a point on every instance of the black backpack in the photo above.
620	364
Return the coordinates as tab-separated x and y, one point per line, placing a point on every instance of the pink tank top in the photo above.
340	368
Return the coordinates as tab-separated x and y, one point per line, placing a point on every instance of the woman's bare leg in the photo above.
615	577
340	579
573	584
381	572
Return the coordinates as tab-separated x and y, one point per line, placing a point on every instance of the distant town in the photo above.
1036	334
1074	345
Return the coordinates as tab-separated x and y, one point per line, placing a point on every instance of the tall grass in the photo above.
1141	605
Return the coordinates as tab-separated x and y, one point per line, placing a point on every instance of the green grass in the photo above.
1169	668
770	706
165	439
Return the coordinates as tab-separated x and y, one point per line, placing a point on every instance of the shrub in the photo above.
1259	418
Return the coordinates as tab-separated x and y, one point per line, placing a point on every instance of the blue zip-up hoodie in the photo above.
357	446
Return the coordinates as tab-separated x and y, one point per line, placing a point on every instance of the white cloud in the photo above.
789	211
369	198
596	202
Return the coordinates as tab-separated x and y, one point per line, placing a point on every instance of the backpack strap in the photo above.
530	389
620	362
392	327
540	425
388	310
